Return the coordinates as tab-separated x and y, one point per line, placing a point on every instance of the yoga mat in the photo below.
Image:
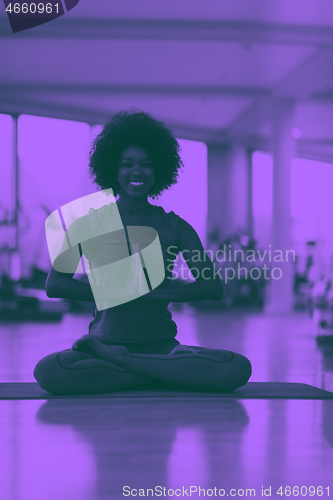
252	390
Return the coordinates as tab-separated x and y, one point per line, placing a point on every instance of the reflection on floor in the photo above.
92	449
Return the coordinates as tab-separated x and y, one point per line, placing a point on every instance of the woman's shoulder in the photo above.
169	219
169	215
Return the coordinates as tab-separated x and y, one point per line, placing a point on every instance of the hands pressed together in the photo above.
136	286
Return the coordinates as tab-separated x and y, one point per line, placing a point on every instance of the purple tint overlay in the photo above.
311	189
188	333
188	461
311	205
39	462
262	196
95	130
53	156
70	4
63	224
115	276
8	234
262	181
188	198
68	242
312	209
6	162
25	20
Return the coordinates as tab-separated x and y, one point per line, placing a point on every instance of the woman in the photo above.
133	344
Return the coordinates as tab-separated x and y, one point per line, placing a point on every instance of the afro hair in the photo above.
135	128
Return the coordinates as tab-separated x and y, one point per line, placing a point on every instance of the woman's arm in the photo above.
60	282
207	284
63	286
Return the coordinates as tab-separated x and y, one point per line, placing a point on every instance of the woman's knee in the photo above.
47	372
242	370
234	370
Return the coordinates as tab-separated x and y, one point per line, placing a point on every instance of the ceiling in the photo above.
209	69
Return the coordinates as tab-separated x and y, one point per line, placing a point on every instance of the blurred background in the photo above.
247	88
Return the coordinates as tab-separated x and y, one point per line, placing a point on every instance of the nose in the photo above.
137	176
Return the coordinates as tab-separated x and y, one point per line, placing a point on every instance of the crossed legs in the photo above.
92	367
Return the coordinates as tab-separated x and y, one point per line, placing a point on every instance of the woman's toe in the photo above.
84	340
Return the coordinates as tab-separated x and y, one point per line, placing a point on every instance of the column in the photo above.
283	146
228	189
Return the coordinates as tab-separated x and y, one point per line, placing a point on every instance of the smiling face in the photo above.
136	173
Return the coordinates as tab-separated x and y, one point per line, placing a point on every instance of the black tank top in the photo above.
140	320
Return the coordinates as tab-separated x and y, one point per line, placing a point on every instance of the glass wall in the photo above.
7	190
262	197
53	158
312	213
311	209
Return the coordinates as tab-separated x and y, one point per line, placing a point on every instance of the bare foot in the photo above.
91	345
183	349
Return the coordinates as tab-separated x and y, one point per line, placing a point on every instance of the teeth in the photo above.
136	183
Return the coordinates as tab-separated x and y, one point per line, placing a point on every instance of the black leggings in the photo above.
208	370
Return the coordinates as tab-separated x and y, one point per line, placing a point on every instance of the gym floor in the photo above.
93	449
